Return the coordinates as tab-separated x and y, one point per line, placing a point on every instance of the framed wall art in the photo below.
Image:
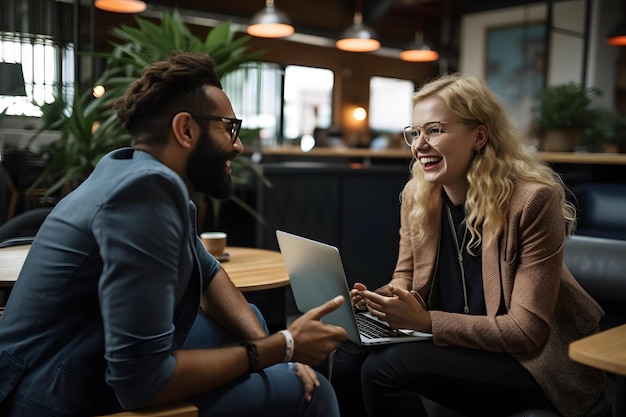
515	68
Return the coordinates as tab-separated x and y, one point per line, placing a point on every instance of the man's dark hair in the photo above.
164	89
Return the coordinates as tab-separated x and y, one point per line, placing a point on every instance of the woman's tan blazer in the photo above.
535	307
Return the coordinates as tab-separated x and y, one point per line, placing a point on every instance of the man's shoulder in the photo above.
132	163
132	158
126	170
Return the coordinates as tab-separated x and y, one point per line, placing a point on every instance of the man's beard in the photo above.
206	169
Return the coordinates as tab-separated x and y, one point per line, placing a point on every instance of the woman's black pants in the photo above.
389	380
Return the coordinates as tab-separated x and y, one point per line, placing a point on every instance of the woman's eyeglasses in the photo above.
430	131
234	124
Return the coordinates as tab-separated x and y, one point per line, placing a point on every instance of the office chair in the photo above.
24	224
14	194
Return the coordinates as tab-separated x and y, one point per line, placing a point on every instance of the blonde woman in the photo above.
480	266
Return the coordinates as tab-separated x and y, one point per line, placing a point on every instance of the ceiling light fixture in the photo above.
419	51
617	36
121	6
358	37
270	23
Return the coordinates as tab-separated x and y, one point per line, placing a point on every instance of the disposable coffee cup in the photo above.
214	242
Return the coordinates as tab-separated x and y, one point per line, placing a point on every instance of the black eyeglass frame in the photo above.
425	135
236	123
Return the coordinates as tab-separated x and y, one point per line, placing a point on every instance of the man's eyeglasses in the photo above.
431	131
234	124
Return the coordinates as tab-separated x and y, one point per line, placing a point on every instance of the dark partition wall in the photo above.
355	209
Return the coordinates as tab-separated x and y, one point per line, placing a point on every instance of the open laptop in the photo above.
316	275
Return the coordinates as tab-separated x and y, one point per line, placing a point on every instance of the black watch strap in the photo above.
253	355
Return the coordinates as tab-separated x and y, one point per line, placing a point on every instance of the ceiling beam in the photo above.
376	9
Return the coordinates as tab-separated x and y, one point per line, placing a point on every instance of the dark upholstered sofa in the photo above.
601	209
599	265
596	255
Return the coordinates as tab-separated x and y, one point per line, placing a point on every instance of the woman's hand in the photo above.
402	310
355	296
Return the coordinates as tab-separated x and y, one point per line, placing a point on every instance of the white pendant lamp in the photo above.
270	23
358	37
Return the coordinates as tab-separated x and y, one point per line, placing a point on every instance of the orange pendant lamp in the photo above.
419	51
121	6
358	37
270	23
617	36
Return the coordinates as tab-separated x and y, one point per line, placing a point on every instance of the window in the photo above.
391	102
308	100
42	63
254	90
256	93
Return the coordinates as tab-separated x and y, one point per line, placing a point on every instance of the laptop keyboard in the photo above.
371	328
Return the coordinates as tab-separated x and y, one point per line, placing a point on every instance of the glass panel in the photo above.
390	104
254	90
39	58
308	100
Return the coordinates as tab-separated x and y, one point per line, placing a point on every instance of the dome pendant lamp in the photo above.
617	36
419	51
358	37
121	6
270	23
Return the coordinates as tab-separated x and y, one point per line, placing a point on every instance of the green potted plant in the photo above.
72	158
606	131
88	130
564	111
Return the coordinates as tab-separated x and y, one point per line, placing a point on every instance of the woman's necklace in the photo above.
459	252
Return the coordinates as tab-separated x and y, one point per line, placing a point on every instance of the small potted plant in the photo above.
606	131
564	112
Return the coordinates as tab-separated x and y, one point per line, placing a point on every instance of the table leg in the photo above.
272	305
621	396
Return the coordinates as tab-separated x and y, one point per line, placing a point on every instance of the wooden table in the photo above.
11	261
253	269
259	273
262	276
250	269
607	351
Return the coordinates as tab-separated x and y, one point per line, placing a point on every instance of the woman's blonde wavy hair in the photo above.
503	158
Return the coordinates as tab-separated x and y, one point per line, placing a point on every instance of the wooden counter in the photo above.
573	167
338	153
583	158
552	157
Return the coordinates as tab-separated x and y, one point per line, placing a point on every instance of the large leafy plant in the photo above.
88	131
150	42
80	147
